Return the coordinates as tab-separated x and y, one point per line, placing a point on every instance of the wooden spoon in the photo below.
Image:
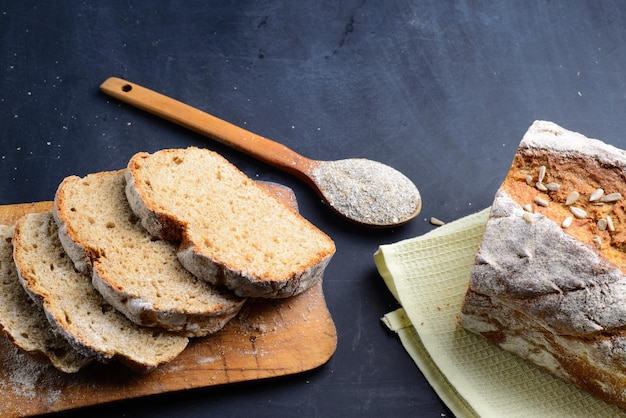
363	191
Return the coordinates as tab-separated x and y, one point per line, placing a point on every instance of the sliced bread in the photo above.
137	274
232	231
75	309
24	322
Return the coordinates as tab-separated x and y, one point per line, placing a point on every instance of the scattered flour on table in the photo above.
24	377
206	360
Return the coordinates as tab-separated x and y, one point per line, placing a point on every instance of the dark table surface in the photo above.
441	90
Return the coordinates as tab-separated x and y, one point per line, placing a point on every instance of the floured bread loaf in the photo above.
24	322
137	274
233	232
549	279
75	309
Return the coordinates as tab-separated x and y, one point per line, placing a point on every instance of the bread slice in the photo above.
137	274
549	279
75	309
24	322
232	232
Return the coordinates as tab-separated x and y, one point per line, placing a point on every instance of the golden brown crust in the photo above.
159	223
580	173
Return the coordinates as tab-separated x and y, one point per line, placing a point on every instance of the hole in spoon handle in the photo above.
201	122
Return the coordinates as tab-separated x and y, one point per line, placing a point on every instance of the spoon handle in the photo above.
198	121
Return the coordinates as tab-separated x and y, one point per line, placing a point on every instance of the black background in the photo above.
441	90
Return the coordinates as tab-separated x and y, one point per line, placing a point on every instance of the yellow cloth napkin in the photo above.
429	275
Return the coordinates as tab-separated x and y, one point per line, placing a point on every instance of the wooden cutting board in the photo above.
268	338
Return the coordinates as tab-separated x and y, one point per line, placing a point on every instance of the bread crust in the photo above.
75	250
245	284
554	293
138	310
588	363
159	225
168	221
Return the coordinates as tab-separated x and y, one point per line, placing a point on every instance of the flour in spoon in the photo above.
367	191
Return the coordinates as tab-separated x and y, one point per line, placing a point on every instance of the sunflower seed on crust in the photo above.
572	198
541	202
553	187
541	186
578	212
528	207
542	174
529	179
597	240
611	197
596	195
567	222
601	224
609	224
528	217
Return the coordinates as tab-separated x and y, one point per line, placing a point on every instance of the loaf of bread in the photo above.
137	274
75	309
232	232
24	322
549	279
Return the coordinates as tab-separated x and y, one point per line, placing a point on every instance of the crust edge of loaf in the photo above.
184	323
157	225
546	135
79	254
564	357
244	284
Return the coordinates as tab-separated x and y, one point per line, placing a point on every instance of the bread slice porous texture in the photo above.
24	322
76	310
231	231
136	273
549	280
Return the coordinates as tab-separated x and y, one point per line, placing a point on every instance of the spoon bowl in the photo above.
362	191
